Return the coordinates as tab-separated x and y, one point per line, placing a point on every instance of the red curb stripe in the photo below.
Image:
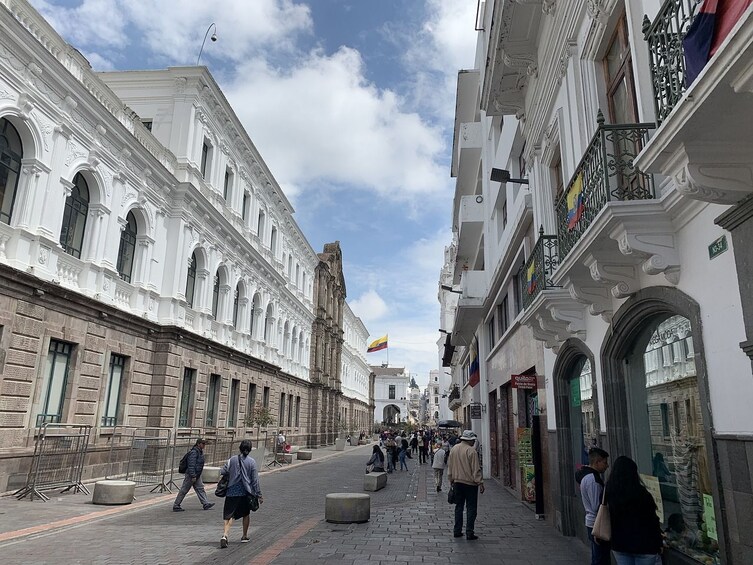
6	536
272	552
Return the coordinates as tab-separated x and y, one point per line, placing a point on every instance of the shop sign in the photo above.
526	382
717	247
709	517
476	411
525	449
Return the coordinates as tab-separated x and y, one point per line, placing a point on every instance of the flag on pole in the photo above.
377	345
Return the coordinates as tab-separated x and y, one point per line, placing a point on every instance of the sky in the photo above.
350	103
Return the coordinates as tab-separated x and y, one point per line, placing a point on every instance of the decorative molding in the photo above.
622	278
657	243
721	173
597	298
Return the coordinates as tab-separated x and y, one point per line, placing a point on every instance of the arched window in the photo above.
255	304
11	153
127	248
216	295
191	280
74	217
235	306
273	240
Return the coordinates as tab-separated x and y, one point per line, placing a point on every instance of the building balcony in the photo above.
470	221
702	142
610	231
474	287
512	56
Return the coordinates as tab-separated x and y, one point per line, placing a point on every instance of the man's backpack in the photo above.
183	465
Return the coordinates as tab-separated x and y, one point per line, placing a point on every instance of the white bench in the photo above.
304	455
211	474
347	508
113	492
374	481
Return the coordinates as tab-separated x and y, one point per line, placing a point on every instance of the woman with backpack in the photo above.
242	485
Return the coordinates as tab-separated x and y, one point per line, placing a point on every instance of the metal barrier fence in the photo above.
141	455
59	454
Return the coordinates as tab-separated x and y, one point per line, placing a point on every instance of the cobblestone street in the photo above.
410	523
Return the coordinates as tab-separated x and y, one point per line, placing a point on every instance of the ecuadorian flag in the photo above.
575	206
531	278
377	345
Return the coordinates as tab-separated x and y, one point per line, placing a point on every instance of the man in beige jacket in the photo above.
464	474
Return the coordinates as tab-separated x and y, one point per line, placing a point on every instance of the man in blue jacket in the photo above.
591	482
192	478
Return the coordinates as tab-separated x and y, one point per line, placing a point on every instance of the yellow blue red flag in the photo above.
377	345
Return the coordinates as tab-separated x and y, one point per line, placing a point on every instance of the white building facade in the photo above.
355	375
153	274
634	317
391	390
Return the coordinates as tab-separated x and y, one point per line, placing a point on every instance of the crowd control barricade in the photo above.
141	455
58	462
221	445
183	440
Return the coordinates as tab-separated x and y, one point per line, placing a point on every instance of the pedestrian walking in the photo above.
414	443
438	465
243	482
376	463
402	455
591	482
636	530
391	447
464	474
192	478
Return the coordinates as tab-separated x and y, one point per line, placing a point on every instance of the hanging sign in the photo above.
709	517
526	382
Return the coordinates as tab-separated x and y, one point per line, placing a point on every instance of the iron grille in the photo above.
537	270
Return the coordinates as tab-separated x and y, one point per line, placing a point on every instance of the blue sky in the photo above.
351	105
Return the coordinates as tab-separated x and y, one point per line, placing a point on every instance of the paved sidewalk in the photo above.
410	523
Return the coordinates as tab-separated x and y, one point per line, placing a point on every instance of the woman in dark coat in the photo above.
636	529
243	481
377	460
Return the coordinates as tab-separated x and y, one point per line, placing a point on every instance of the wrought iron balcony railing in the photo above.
666	55
605	173
536	274
454	393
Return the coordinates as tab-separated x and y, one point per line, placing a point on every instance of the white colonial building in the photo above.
152	272
391	394
604	203
356	407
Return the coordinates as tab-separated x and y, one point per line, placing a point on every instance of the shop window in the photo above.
74	217
114	386
186	398
55	382
11	154
127	248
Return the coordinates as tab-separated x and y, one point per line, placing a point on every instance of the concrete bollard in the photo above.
211	474
113	492
374	481
304	455
347	508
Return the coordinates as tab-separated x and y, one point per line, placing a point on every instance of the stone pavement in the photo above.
410	522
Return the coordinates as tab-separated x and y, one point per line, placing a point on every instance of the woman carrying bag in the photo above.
243	491
636	531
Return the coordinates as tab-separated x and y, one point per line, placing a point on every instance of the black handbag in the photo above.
253	502
451	495
221	489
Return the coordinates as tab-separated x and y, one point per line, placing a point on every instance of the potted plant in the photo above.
261	417
342	429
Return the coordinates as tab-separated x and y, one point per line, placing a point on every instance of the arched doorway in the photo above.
656	401
577	428
391	414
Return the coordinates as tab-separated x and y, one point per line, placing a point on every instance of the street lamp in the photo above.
213	38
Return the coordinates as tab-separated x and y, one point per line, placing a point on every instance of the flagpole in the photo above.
388	350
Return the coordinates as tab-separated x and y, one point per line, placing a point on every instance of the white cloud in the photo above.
322	119
370	307
94	22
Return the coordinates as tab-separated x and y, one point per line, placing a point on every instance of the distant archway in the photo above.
391	414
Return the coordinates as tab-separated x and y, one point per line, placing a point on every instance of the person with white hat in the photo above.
464	474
